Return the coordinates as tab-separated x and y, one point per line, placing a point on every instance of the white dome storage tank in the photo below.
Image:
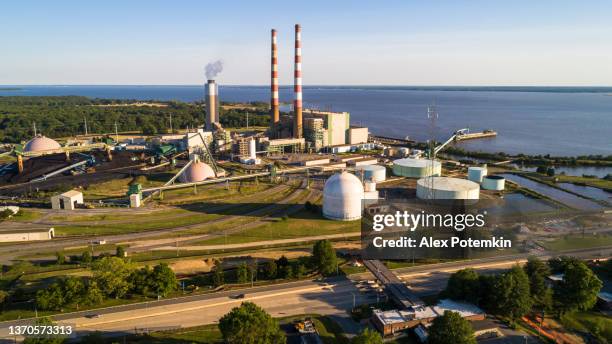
342	196
476	173
197	172
41	143
497	183
375	173
447	188
416	168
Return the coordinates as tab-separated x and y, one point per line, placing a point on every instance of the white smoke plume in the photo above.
213	69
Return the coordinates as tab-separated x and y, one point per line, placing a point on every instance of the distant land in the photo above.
544	89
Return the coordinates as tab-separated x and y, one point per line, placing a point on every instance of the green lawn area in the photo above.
596	182
300	224
577	241
26	215
591	322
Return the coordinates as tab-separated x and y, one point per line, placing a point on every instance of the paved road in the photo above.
331	297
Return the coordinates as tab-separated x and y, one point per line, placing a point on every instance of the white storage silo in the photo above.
416	168
375	173
447	188
342	196
497	183
476	173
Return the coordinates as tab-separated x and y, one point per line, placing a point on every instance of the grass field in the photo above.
300	224
591	322
596	182
26	215
577	241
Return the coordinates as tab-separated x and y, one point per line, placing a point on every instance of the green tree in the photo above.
50	298
3	296
93	294
120	252
142	280
451	328
86	257
242	273
367	336
538	271
464	285
511	294
249	324
73	288
324	257
299	270
579	288
163	279
112	276
60	258
218	277
270	269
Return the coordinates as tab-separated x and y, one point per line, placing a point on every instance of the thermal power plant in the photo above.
497	183
416	168
297	85
212	105
274	103
374	173
342	196
476	173
447	188
41	144
197	172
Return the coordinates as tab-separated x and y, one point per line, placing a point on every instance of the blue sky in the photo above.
344	42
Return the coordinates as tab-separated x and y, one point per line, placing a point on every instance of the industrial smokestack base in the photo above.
212	105
297	84
274	103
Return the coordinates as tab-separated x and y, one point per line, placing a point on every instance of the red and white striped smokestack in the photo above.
297	85
274	103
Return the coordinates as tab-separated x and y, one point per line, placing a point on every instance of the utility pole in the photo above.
85	120
247	114
171	130
35	133
116	133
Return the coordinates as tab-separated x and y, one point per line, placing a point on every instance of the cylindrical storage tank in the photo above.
375	173
476	173
497	183
342	196
447	188
252	150
416	168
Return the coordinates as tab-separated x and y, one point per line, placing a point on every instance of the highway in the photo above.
333	296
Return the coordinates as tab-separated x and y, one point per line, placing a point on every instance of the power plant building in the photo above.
447	188
416	168
342	197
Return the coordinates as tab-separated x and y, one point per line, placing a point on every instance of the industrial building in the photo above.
40	144
67	201
342	197
197	171
447	188
416	168
17	235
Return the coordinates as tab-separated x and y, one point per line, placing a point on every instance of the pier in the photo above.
479	135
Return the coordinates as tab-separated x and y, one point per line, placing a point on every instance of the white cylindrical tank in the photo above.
447	188
252	150
375	173
476	173
493	183
416	168
342	196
